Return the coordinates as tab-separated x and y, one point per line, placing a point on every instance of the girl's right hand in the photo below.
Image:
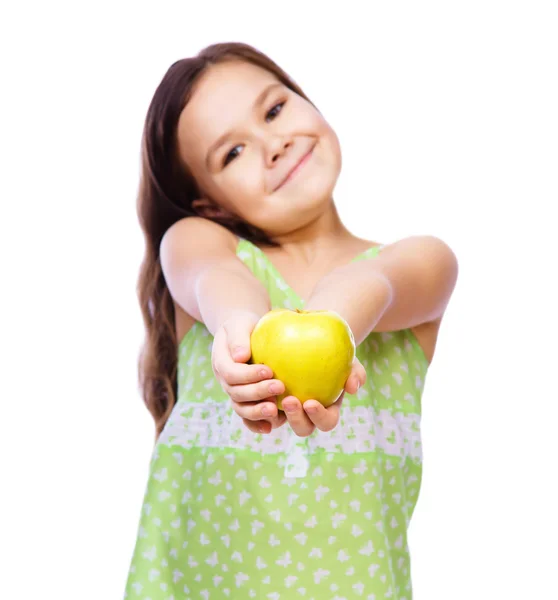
251	387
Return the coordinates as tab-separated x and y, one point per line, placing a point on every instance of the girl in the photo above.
244	500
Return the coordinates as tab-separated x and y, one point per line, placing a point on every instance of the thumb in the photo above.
356	379
238	339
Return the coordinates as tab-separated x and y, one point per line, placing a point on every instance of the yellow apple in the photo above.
311	352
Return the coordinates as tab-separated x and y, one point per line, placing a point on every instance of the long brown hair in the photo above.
166	192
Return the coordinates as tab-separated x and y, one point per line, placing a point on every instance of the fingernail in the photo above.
289	407
263	374
266	410
312	409
274	388
238	351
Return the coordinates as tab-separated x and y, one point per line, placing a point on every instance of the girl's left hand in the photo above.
304	418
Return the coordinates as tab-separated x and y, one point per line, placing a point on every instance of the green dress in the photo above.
232	514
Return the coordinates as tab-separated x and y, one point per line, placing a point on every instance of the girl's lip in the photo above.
297	168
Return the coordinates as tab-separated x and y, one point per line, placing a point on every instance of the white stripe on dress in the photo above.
216	425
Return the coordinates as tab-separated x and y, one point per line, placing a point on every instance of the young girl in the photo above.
244	500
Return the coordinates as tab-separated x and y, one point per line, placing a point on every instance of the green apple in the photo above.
311	352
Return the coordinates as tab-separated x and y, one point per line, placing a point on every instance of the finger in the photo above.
356	379
255	392
262	425
352	384
257	426
242	374
238	338
256	411
361	373
278	421
325	419
235	373
296	417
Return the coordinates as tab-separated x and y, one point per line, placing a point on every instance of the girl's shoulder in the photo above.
186	245
200	232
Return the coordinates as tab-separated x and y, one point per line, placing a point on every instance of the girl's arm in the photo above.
204	275
208	280
409	283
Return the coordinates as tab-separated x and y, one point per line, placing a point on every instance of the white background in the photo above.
447	115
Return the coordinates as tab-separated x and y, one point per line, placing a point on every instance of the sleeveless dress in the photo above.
232	514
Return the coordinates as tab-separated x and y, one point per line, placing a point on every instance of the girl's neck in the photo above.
323	234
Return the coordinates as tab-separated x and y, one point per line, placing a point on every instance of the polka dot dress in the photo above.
232	514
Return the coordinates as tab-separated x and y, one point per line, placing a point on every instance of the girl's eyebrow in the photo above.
259	101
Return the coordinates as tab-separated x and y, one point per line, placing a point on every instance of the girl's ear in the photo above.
208	209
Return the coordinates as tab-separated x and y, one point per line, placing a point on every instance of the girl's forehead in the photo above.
228	86
223	96
233	76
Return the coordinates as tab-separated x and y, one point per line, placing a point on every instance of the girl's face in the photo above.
242	134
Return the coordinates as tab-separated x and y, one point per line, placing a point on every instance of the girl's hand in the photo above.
250	387
304	418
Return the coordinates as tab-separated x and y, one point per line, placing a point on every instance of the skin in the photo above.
407	286
265	143
242	176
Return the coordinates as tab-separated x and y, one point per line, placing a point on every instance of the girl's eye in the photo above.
272	113
230	156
